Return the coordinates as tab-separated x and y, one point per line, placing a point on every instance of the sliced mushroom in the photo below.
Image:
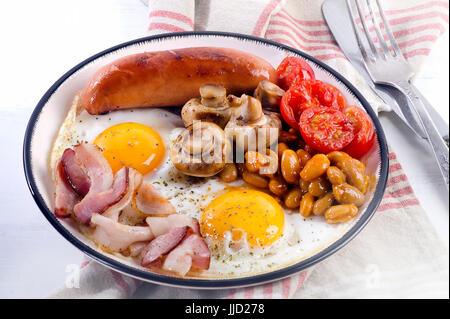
200	150
212	107
234	101
213	95
250	125
270	95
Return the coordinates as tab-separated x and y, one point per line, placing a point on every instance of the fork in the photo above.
388	66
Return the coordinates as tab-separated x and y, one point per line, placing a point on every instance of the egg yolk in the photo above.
133	145
250	212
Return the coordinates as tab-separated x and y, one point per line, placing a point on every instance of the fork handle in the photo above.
438	145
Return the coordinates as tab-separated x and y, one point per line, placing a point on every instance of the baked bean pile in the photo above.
331	185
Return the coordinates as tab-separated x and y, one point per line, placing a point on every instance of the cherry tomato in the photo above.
293	70
297	99
326	129
364	131
328	95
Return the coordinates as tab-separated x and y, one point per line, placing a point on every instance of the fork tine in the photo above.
358	33
366	29
395	46
383	44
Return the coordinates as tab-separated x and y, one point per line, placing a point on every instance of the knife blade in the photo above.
337	17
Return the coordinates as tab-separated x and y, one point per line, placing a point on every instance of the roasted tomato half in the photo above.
326	129
293	70
328	95
297	99
364	131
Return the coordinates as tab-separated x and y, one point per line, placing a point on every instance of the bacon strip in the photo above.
202	256
162	225
162	245
76	175
65	197
99	202
97	167
134	180
114	236
150	202
191	252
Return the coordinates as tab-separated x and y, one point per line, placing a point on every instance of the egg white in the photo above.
302	237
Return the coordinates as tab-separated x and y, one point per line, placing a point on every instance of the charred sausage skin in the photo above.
170	78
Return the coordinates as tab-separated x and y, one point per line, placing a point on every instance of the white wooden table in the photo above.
42	40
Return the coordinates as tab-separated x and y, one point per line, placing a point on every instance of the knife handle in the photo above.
438	145
435	116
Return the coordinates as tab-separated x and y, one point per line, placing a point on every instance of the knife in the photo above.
336	15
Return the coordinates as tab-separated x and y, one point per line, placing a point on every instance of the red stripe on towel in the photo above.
293	29
264	16
422	51
314	33
286	287
267	291
431	26
304	47
84	264
248	293
399	192
394	167
120	282
172	15
396	179
165	27
301	280
402	204
427	5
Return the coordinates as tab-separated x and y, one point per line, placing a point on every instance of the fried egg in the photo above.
247	231
244	215
131	144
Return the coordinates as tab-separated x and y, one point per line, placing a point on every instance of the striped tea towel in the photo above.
398	254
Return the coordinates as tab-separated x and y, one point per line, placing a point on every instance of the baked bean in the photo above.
255	160
340	213
271	169
315	167
348	194
229	173
293	198
323	203
278	186
306	205
335	175
281	148
365	186
303	157
290	166
353	169
304	185
337	157
318	186
255	179
287	137
294	131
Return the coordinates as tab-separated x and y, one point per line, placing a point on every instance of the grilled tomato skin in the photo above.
326	129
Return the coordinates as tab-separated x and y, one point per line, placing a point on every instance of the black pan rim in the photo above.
193	282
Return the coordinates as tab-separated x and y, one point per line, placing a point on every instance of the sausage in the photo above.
171	78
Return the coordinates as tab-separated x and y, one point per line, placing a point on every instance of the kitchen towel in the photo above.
398	254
